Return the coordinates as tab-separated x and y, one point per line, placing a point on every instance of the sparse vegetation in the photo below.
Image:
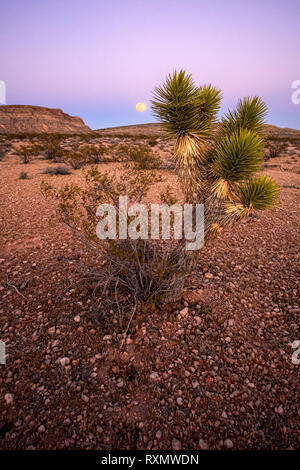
26	152
56	170
130	272
75	158
94	153
52	148
3	149
275	148
236	291
144	158
23	175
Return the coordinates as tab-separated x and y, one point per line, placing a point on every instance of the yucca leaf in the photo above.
249	114
238	156
207	104
184	109
258	193
173	102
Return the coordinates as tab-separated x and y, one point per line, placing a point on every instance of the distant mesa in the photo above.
15	119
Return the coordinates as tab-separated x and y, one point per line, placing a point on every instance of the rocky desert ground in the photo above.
212	371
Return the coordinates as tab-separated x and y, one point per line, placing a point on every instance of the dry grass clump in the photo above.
23	176
56	170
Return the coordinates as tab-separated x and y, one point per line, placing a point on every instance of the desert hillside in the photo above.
16	119
155	129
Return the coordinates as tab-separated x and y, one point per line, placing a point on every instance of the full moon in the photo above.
140	107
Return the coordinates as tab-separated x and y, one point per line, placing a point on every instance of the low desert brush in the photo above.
275	148
126	272
26	152
75	158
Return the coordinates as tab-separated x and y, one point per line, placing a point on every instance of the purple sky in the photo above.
97	58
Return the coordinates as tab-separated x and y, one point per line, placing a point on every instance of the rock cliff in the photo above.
37	119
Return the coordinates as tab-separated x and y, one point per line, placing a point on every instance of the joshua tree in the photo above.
217	163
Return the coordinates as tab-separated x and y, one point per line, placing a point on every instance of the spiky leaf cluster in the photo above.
217	163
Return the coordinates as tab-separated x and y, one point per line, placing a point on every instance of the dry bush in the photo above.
75	158
122	151
94	153
56	170
26	152
144	158
23	175
52	148
4	148
152	141
275	148
127	273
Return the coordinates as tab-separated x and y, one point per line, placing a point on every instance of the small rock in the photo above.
183	312
228	443
279	410
107	337
158	435
41	428
51	331
64	361
179	401
208	275
77	319
154	376
176	445
9	398
203	445
120	383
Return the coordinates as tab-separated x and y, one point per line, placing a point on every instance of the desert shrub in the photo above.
152	141
52	148
4	148
23	175
128	273
94	153
168	197
275	148
122	151
144	158
140	154
75	158
26	152
56	170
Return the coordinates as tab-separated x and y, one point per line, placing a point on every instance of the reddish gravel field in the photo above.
213	371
